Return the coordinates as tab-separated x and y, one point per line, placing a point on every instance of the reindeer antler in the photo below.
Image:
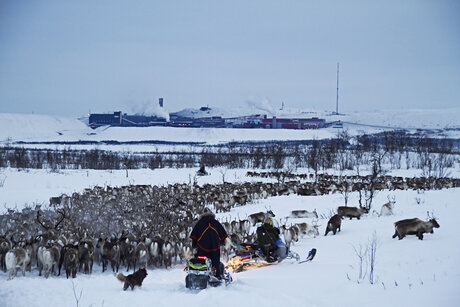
56	226
40	222
62	213
430	216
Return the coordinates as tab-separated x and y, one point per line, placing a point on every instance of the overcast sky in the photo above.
71	57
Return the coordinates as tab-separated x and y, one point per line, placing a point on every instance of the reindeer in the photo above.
63	253
54	228
415	226
187	252
290	234
29	248
71	261
142	255
5	246
235	237
351	212
260	217
110	252
51	260
334	224
303	214
387	208
227	226
307	229
168	253
128	252
40	263
86	256
16	258
235	226
221	205
245	227
226	248
156	251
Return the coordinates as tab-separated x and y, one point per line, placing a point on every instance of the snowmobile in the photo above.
250	255
201	273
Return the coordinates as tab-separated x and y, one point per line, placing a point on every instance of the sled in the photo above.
249	256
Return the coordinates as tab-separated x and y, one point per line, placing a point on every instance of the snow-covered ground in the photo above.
409	272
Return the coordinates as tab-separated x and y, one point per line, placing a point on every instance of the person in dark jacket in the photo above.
207	237
267	235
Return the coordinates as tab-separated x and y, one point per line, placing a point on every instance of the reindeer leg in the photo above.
420	235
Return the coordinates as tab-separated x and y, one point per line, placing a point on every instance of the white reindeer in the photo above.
387	209
16	258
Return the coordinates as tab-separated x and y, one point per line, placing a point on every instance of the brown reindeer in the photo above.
351	212
128	252
71	261
156	251
110	252
260	217
63	253
334	224
86	256
414	226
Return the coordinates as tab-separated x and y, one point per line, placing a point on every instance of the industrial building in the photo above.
120	119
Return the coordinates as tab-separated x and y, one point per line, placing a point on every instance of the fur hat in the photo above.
206	212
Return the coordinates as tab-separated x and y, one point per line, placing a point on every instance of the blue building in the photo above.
124	120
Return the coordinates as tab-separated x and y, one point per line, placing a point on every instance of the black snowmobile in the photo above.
200	274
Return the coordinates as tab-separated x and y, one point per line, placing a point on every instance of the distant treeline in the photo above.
342	152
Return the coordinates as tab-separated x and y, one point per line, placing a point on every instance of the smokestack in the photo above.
160	101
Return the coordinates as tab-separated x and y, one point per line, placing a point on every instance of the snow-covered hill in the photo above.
45	128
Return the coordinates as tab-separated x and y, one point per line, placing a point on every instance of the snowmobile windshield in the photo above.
198	266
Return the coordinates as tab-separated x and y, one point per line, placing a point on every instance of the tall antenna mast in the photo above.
337	100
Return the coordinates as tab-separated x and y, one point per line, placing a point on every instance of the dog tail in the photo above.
121	277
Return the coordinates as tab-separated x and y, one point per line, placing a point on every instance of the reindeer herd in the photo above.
148	226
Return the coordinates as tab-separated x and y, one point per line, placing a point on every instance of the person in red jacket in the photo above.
207	237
